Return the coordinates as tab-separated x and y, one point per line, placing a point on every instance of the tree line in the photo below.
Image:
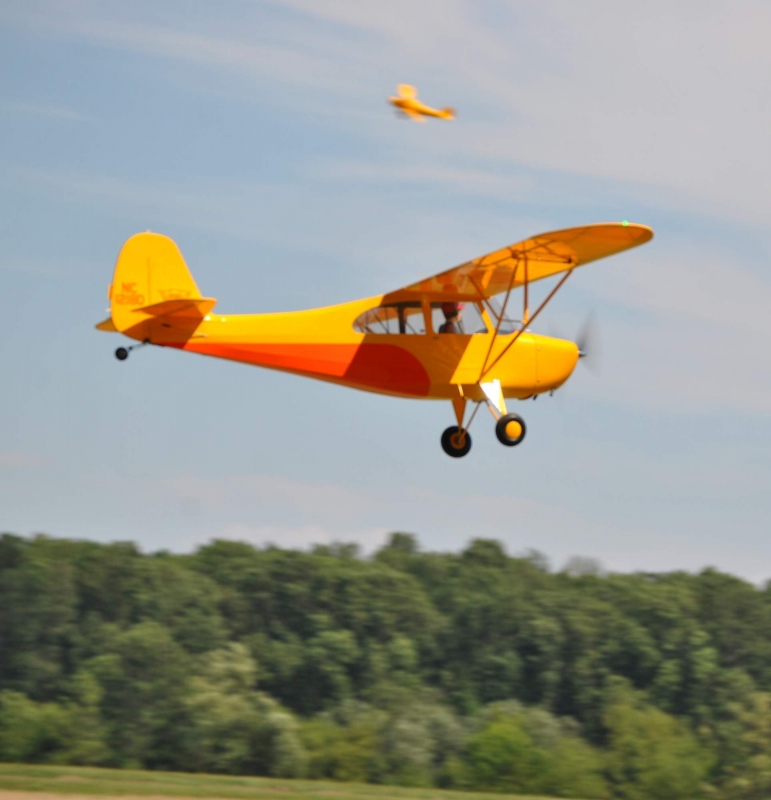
473	670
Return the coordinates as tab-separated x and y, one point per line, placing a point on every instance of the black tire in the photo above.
456	443
121	354
508	434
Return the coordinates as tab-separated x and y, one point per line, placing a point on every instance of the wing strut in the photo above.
486	368
526	299
500	316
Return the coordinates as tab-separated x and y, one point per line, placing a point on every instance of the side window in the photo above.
457	318
397	318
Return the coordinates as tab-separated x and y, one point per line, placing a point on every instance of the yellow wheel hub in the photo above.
513	429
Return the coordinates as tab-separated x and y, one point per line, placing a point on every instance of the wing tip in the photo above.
638	231
644	232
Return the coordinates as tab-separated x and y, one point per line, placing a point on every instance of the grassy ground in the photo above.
89	782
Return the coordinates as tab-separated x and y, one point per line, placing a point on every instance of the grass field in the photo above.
15	779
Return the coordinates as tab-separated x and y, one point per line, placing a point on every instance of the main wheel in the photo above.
121	354
455	442
510	429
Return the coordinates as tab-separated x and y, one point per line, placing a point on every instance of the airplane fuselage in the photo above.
323	344
410	107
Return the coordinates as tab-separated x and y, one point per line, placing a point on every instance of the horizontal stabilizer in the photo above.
193	307
106	325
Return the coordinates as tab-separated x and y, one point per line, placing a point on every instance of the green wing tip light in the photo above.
625	222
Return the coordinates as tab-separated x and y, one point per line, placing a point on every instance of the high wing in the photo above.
524	262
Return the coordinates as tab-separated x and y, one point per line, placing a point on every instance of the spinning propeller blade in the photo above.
587	342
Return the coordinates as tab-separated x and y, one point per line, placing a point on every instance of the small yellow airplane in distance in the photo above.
407	103
447	337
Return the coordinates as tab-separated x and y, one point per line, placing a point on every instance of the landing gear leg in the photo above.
456	440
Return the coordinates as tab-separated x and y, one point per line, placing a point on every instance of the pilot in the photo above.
452	316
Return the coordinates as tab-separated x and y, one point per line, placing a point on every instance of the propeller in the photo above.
586	340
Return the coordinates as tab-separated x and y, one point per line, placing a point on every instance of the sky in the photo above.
257	135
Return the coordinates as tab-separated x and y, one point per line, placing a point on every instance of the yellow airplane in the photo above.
447	337
407	103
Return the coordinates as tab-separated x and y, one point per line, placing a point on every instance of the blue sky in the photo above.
256	134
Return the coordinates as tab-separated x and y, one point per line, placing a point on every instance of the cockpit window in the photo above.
457	318
395	318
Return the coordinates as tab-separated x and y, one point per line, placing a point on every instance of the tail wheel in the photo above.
510	429
456	442
121	354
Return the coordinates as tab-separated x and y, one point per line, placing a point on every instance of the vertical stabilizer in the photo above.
150	270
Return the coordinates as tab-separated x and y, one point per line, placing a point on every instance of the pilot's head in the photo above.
451	311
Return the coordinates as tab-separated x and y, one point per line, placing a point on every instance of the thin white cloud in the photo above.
329	502
26	266
45	111
273	213
225	208
302	536
16	460
324	512
240	47
695	283
671	367
469	181
653	95
263	509
702	339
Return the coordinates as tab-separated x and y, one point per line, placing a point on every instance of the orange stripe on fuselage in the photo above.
383	367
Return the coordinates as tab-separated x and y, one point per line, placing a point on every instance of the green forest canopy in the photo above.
471	670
